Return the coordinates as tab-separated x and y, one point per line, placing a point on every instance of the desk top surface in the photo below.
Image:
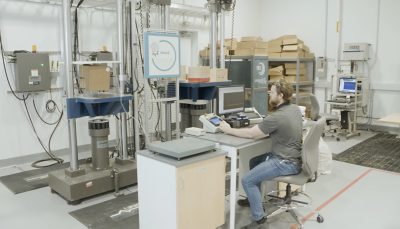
392	118
229	140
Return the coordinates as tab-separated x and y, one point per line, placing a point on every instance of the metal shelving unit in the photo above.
252	72
307	87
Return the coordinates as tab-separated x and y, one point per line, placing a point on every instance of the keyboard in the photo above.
340	100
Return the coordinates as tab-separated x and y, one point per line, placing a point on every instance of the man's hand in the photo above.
224	126
253	132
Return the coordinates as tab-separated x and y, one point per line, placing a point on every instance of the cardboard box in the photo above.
275	42
274	49
291	41
292	79
299	54
275	78
218	74
291	48
251	38
251	52
295	47
198	74
252	44
292	71
277	71
309	55
304	47
206	52
227	44
292	65
94	77
274	55
184	72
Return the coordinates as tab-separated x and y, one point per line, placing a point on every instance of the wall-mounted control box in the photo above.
32	72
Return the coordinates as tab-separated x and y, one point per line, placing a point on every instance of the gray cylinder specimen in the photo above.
99	131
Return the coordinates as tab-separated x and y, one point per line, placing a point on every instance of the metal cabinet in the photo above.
252	72
302	89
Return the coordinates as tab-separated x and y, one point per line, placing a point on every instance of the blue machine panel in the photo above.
92	106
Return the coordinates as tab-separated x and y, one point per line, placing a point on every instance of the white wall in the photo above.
25	24
306	19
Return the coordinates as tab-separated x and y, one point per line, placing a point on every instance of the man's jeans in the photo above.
262	168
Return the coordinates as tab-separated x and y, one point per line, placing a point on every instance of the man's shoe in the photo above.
243	202
262	220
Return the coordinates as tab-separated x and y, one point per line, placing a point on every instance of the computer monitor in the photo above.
230	99
347	85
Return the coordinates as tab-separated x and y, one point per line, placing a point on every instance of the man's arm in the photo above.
253	132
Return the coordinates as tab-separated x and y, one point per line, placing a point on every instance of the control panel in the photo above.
210	122
32	72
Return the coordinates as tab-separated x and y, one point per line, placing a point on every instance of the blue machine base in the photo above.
92	106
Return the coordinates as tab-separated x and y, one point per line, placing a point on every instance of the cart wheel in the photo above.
320	219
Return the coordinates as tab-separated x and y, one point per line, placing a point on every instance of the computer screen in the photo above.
215	120
230	99
347	85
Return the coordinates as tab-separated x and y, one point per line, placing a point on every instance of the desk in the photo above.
393	119
180	194
247	149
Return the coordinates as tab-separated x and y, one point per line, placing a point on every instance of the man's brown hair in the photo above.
285	88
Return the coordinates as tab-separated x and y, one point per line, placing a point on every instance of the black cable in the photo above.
48	151
56	159
233	23
47	109
76	46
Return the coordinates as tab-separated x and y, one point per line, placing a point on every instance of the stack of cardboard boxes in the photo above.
286	46
202	74
229	44
288	72
251	46
293	47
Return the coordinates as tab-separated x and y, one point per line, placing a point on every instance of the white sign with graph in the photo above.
161	54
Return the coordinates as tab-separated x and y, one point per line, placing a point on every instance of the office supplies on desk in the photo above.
195	131
253	115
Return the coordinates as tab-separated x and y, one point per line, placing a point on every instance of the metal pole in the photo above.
122	76
164	25
70	83
135	85
222	39
213	37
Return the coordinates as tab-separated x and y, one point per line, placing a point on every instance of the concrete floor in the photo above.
350	197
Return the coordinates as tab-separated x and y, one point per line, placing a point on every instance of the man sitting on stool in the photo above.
284	127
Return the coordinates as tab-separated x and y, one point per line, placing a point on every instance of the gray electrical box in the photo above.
101	56
32	72
160	2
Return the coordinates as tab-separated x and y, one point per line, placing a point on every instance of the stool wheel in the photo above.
320	219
